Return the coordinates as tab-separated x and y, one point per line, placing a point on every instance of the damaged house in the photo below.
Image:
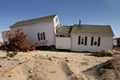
47	31
85	38
39	30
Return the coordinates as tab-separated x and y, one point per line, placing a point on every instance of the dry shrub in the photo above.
18	41
102	53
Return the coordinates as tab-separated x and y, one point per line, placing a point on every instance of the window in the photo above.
41	36
95	41
82	40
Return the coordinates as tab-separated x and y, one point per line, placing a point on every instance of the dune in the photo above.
47	65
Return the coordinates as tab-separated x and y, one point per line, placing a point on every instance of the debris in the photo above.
65	57
11	54
9	76
30	71
109	70
67	60
102	53
53	72
50	59
0	66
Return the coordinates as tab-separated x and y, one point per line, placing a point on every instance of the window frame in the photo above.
95	42
41	36
82	40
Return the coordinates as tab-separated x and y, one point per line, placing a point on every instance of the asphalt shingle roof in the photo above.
32	21
105	30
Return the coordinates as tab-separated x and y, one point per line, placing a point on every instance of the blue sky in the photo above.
70	12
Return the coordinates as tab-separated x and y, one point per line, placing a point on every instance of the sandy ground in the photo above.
47	65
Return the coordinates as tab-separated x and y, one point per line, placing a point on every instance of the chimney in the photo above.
79	22
79	25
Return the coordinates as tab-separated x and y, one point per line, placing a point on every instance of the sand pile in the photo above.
109	70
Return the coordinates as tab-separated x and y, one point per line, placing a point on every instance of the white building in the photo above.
43	31
40	30
85	38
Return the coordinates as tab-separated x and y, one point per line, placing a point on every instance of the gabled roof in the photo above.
102	30
33	21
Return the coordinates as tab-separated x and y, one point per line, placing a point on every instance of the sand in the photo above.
47	65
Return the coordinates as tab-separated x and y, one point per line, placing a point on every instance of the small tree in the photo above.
18	41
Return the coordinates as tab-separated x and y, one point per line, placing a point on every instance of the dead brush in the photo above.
19	41
101	54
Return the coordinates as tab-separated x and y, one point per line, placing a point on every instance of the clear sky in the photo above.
70	12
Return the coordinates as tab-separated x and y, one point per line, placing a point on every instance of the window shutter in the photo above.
85	40
99	41
79	40
44	35
38	37
92	41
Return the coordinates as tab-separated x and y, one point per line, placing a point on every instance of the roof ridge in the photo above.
92	25
23	22
41	17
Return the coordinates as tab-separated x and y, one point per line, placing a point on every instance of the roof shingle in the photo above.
102	30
